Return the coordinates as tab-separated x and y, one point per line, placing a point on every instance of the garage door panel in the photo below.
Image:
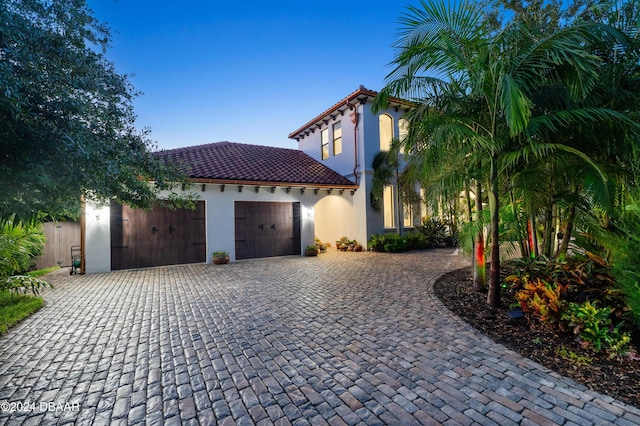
161	236
266	229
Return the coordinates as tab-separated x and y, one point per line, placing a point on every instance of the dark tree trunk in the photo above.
568	229
547	239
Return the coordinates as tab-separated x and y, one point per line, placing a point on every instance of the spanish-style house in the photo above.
257	201
346	137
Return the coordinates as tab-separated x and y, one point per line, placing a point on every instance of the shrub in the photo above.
584	276
626	262
541	300
24	283
435	233
390	243
416	241
593	326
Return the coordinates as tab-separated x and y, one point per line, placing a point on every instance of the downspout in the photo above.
354	119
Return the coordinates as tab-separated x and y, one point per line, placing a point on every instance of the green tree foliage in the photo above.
66	115
626	261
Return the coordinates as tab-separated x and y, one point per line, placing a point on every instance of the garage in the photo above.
161	236
266	229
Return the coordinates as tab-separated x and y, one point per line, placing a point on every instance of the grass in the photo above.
41	272
16	307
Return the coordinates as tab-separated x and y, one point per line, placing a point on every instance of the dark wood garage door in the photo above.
144	238
266	229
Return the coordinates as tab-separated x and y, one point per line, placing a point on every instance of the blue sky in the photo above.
249	72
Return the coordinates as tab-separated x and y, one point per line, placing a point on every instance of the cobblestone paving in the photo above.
342	339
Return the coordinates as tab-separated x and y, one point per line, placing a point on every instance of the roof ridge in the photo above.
191	148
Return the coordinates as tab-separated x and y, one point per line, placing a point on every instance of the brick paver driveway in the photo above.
345	338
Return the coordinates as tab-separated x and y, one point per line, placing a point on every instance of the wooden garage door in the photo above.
143	238
266	229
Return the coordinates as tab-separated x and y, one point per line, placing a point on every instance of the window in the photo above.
408	215
324	143
403	131
403	128
337	138
386	131
387	202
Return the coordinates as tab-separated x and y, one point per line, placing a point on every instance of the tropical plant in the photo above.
542	300
450	60
23	284
435	233
593	326
388	168
625	246
19	245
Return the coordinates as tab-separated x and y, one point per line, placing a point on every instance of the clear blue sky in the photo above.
249	72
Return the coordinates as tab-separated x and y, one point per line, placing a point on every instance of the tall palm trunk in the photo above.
479	265
549	226
568	229
516	218
493	297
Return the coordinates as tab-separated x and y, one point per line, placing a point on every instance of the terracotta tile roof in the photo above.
228	162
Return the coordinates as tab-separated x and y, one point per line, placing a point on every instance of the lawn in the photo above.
16	307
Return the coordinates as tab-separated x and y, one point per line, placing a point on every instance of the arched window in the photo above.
386	131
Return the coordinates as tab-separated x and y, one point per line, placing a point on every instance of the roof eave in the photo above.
310	185
362	95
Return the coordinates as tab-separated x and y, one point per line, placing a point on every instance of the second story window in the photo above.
337	138
324	143
403	131
386	131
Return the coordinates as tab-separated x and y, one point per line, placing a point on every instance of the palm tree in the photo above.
389	168
447	49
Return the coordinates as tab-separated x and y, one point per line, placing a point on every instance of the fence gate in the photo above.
60	237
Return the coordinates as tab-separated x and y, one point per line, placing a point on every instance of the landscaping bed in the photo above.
618	378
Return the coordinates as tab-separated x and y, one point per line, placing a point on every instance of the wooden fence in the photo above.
60	237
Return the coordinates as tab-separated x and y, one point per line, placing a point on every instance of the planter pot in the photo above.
311	252
220	260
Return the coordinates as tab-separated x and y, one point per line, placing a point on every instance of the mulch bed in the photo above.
618	378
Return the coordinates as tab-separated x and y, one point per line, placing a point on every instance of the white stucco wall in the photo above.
221	213
355	219
97	256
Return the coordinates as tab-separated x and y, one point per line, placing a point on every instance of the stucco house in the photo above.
259	201
346	137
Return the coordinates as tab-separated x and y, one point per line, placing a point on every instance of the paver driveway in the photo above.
345	338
